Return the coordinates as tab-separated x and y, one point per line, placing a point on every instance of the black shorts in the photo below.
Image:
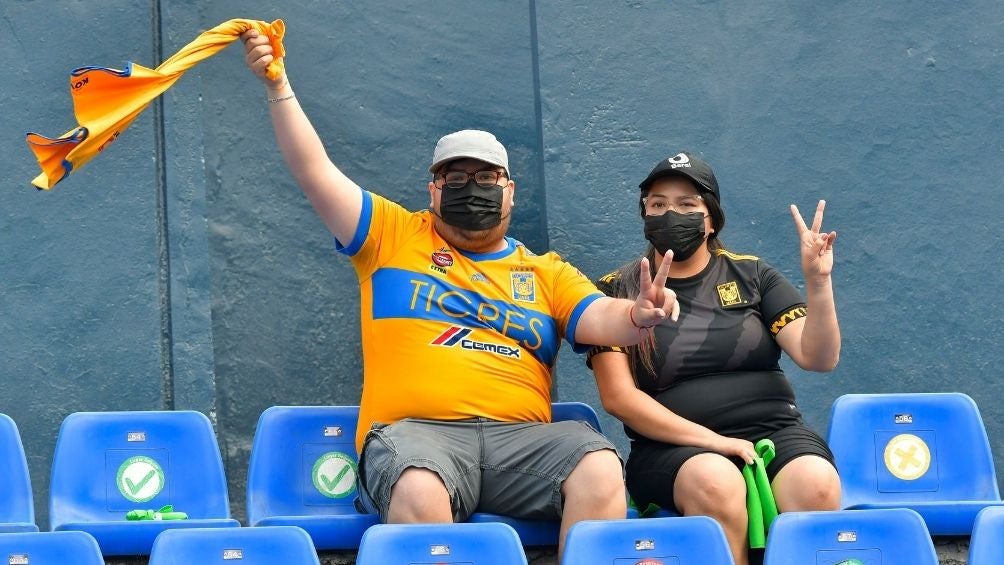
652	466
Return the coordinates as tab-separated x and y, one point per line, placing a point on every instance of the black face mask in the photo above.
683	233
472	207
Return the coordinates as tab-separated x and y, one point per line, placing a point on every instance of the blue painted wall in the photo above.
183	269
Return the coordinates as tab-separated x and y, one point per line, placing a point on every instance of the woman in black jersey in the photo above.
697	397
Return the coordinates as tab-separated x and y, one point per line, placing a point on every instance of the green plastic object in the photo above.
165	513
647	511
760	505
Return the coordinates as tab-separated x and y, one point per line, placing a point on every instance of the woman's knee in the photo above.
807	483
710	484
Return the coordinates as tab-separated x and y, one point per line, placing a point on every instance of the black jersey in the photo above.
718	365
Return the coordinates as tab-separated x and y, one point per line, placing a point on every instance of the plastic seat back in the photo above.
696	540
564	411
986	546
17	506
544	532
490	543
926	451
107	464
865	537
303	472
50	548
247	546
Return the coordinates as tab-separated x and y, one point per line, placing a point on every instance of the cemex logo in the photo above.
456	336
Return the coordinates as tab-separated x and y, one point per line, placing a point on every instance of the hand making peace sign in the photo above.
654	299
816	248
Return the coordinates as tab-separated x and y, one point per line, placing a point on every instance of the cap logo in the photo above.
679	160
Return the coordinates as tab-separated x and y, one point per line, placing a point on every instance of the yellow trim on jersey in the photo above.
609	277
787	317
736	256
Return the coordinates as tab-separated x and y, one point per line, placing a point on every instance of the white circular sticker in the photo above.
140	478
334	475
907	457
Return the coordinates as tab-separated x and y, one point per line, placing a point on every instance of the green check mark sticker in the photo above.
140	478
334	475
135	488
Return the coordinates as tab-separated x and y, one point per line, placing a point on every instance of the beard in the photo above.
476	241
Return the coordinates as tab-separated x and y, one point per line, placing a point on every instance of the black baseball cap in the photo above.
684	164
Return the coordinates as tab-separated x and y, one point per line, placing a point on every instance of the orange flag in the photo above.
106	101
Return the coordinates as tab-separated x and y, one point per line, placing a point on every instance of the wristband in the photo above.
633	323
280	99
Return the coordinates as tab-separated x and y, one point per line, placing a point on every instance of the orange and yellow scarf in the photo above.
106	101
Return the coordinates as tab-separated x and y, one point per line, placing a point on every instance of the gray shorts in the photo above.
512	469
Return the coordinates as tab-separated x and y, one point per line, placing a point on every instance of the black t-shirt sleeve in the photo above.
781	302
609	284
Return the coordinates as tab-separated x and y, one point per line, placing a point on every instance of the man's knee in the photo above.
418	481
598	474
419	495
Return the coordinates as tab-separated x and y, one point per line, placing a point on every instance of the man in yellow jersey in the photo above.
460	330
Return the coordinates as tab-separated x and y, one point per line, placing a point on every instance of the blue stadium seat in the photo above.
50	548
268	545
986	547
544	532
303	473
108	463
17	507
691	540
563	411
491	543
925	451
865	537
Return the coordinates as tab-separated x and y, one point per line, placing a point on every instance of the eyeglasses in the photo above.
656	205
484	179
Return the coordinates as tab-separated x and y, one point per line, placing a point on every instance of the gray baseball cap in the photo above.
469	144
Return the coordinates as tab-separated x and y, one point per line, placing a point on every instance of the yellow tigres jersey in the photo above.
448	334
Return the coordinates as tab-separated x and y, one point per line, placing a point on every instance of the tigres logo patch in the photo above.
523	287
728	294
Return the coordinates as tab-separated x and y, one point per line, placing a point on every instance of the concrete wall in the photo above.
183	269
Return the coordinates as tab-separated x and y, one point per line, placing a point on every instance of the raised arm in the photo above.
335	198
813	342
618	321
